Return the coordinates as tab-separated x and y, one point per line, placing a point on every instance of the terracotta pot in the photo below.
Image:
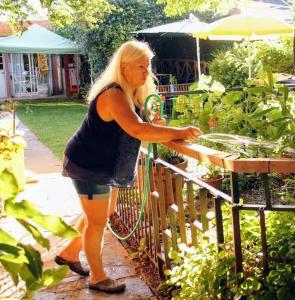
215	182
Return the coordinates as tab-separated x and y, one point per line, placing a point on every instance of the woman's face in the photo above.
136	72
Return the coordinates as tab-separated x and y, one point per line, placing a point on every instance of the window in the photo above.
1	62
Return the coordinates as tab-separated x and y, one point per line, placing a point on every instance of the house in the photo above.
37	64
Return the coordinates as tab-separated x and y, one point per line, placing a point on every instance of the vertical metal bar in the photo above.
219	222
179	201
265	179
237	238
234	186
263	242
192	212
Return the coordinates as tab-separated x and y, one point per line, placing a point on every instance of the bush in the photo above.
278	56
230	66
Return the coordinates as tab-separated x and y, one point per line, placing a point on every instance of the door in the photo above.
24	74
2	78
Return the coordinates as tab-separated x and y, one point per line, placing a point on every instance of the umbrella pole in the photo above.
249	59
198	58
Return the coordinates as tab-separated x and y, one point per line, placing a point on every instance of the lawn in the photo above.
53	122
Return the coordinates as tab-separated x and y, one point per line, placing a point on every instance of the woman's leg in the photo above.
114	196
72	250
96	212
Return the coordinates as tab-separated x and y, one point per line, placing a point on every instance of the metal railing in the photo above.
177	210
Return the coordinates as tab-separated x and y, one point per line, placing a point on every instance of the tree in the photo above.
86	13
118	26
181	7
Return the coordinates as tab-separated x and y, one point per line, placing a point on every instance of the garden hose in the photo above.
157	108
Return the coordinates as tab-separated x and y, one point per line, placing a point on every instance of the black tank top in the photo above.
102	148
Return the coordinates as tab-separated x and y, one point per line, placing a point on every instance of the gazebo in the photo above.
38	63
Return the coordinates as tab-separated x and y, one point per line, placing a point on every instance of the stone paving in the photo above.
54	194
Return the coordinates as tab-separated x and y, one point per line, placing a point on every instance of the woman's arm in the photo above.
113	105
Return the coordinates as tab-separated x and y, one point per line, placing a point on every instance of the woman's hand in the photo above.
190	133
159	121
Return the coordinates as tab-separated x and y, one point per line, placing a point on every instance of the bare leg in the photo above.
96	212
72	250
113	202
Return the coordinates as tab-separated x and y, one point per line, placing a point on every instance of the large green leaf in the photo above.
8	185
32	284
37	235
25	210
35	263
54	276
13	270
12	254
6	238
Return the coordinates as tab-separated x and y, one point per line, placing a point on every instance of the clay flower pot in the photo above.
215	182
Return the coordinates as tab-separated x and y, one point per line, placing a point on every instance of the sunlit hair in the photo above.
127	53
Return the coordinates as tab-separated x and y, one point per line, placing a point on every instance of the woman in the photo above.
95	157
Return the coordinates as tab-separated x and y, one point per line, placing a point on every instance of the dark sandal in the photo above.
108	285
74	266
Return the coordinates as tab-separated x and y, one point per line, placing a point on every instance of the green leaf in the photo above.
32	284
53	276
6	238
13	270
8	185
35	263
37	235
26	210
13	254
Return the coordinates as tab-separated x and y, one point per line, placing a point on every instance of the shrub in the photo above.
230	66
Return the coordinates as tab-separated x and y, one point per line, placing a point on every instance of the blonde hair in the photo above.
127	53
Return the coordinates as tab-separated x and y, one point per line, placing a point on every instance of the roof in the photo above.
37	39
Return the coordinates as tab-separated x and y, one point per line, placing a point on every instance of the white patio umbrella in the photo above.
246	26
185	27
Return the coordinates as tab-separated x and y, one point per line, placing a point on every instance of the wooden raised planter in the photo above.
232	162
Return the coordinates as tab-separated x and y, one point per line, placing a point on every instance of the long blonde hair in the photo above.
128	52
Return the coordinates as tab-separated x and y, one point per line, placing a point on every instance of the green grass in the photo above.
53	122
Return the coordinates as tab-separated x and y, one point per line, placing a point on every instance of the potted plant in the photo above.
172	82
174	158
213	176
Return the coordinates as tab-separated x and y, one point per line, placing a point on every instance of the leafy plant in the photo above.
265	113
169	155
172	79
204	273
212	172
23	261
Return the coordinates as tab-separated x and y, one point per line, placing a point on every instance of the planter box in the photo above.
15	165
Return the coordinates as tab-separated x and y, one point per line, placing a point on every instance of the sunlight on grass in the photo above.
54	122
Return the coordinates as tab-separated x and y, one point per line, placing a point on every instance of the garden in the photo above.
219	222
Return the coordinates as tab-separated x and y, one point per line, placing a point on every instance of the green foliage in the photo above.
169	155
203	273
21	261
230	67
263	112
181	7
117	27
84	13
278	55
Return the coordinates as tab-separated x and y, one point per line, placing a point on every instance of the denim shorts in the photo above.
91	190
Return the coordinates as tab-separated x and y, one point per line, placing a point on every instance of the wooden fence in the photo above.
177	203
